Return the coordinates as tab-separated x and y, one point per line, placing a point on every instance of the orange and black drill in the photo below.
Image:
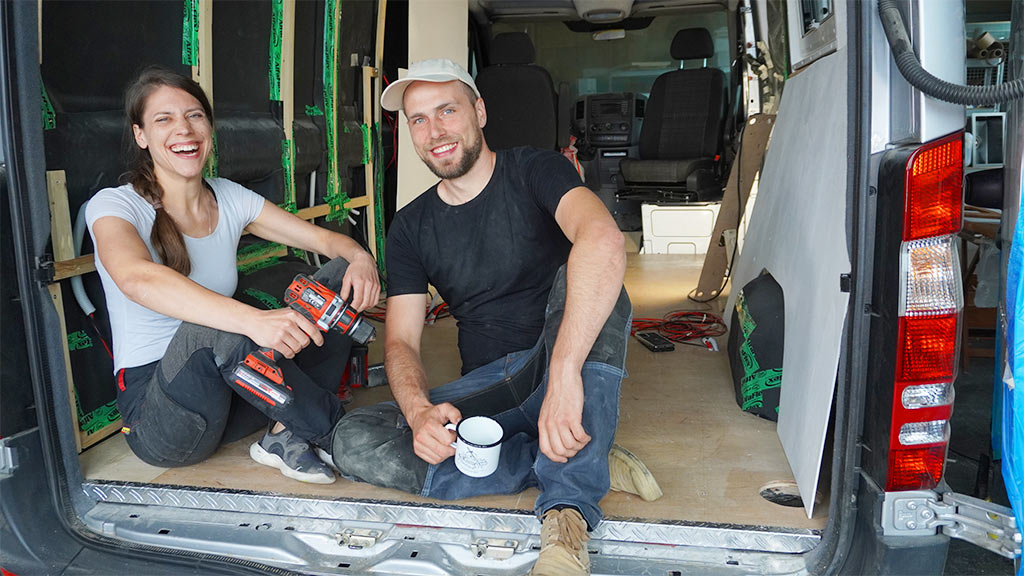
259	375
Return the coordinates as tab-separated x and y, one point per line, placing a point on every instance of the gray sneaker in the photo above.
292	456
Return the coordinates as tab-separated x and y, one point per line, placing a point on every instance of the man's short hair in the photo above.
470	93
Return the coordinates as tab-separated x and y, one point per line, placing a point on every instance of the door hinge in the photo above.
358	538
8	459
494	548
923	512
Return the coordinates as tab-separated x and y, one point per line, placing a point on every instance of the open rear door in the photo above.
1011	427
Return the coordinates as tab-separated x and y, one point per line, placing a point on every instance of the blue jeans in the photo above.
374	444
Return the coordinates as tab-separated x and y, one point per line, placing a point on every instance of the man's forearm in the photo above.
407	377
594	276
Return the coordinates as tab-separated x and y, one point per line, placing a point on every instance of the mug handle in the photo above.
451	427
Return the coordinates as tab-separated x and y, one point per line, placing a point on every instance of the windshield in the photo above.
629	64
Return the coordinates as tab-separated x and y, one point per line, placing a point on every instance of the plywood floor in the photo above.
677	413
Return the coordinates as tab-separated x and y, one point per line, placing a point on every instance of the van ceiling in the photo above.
533	10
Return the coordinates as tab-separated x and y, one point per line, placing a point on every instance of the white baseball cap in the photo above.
433	70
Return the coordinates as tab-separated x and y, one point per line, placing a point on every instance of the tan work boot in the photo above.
631	475
563	545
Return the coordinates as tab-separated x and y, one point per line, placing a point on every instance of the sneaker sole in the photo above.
638	480
261	456
326	459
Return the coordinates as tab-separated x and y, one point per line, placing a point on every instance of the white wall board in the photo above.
798	233
437	29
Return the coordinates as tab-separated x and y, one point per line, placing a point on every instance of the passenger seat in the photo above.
682	130
519	96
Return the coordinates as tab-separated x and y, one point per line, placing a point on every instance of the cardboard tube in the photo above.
984	41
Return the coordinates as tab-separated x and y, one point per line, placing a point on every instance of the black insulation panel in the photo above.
92	50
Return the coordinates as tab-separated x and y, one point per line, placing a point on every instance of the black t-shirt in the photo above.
492	259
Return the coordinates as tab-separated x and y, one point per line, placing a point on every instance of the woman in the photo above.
165	251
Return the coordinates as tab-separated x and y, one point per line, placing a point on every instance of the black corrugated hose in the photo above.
910	68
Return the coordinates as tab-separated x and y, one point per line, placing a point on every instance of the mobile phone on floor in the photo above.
655	342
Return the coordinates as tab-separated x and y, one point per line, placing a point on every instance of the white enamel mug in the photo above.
478	445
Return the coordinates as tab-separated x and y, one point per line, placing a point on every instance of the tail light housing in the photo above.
930	308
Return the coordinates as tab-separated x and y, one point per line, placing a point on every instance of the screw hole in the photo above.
414	554
164	531
289	528
343	565
133	515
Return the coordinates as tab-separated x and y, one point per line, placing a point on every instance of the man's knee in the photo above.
373	444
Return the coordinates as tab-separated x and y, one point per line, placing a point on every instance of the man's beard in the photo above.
469	157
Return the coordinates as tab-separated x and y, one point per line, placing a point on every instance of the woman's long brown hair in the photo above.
166	237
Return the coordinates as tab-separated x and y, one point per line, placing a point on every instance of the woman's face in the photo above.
177	133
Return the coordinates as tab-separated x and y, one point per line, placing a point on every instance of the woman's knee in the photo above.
332	273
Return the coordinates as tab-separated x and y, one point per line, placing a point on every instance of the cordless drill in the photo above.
259	375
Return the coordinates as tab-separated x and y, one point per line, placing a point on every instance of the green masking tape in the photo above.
287	153
190	33
267	299
276	33
378	199
79	340
330	72
49	116
367	153
210	171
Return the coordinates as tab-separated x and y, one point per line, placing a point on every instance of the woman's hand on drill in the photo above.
284	330
362	281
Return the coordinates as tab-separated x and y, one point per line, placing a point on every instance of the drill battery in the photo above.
259	375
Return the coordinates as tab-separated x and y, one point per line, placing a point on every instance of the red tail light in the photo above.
934	189
931	298
927	349
916	468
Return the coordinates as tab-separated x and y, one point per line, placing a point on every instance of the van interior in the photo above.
656	101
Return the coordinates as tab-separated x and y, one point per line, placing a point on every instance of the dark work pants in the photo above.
374	444
179	409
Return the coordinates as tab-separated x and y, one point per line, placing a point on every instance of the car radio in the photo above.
610	119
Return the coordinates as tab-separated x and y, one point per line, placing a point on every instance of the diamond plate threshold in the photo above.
325	536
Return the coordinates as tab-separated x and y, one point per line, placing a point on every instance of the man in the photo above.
531	265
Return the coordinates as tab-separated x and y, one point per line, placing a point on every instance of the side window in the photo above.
814	12
812	31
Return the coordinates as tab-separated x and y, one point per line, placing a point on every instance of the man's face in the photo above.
445	125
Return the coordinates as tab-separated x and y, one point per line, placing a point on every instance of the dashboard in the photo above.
609	120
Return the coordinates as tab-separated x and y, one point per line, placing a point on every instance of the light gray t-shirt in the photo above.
141	335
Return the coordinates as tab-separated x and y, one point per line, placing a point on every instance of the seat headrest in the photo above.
691	44
512	48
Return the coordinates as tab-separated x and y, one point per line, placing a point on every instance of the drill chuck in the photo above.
361	331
